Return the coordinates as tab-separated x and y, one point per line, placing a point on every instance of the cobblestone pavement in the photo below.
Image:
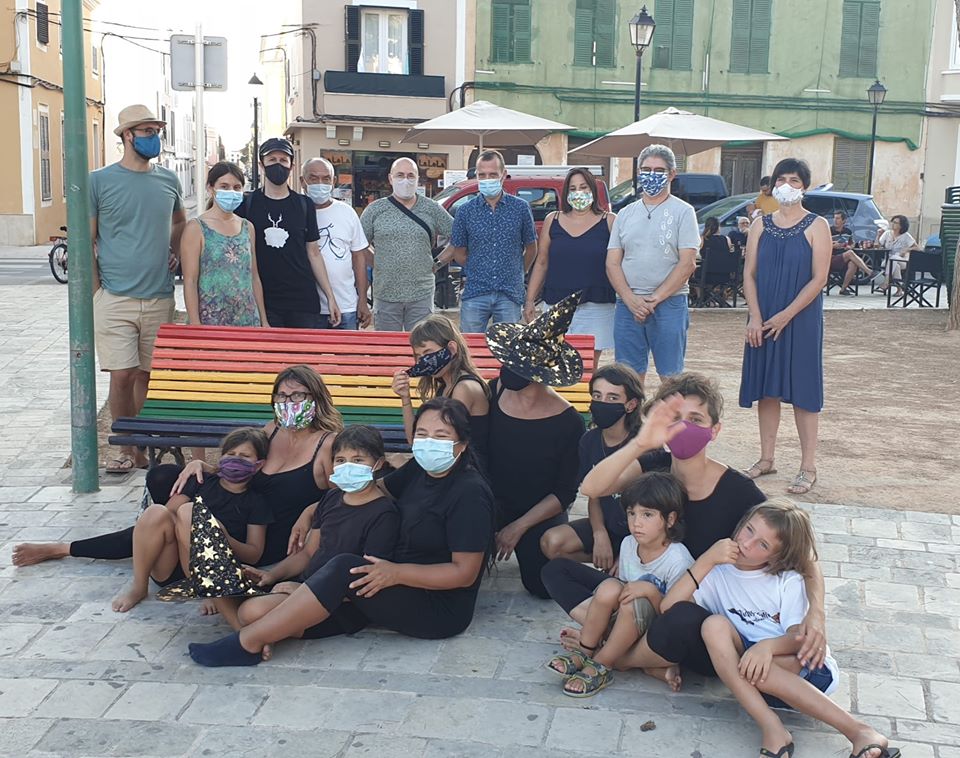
77	679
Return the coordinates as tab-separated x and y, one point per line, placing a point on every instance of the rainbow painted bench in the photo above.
207	380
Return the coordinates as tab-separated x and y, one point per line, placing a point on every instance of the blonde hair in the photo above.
439	329
798	542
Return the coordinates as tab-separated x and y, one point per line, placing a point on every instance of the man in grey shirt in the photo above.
650	257
403	282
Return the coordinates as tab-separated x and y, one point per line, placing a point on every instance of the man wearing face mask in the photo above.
494	237
402	230
650	257
288	257
137	218
343	246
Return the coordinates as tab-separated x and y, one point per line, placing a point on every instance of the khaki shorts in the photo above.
126	329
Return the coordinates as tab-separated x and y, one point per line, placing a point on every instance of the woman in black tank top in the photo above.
445	369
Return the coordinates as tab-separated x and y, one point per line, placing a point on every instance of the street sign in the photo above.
183	63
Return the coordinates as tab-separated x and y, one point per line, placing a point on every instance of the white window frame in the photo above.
43	113
954	62
383	37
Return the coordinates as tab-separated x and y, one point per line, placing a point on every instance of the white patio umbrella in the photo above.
686	133
486	125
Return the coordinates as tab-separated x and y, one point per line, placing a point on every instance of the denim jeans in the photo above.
347	321
663	332
475	312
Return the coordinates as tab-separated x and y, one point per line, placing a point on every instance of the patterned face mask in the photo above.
431	363
292	415
652	183
580	201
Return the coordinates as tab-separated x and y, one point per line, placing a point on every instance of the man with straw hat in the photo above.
137	217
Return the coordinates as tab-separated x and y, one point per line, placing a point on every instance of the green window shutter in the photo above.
869	38
662	43
522	33
352	36
500	33
740	38
850	39
583	34
682	35
760	23
605	33
850	158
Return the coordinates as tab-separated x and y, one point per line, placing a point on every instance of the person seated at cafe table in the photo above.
900	243
843	256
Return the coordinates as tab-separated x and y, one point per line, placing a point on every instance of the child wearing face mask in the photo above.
161	537
354	518
753	585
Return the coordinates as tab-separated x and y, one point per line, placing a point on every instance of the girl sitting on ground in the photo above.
355	518
161	536
652	559
753	585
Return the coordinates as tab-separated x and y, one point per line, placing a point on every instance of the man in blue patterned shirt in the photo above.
494	237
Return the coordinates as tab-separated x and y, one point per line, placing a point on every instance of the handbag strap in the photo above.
413	216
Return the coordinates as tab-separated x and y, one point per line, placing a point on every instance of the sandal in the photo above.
802	482
786	750
885	752
568	663
123	464
758	469
592	683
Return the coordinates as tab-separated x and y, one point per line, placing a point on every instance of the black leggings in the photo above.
118	545
531	558
675	636
413	612
570	582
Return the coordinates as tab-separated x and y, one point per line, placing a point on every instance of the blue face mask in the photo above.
489	187
652	184
352	477
228	200
319	193
434	456
147	147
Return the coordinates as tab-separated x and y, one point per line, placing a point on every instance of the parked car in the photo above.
540	190
697	189
860	209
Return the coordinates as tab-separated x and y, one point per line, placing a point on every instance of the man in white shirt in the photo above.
343	246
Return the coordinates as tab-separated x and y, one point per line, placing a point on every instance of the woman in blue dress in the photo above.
786	267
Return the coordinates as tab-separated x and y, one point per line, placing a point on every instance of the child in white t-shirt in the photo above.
652	558
753	584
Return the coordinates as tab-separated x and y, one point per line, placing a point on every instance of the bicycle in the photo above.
58	256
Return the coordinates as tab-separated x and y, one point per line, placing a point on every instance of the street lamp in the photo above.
255	158
875	94
641	34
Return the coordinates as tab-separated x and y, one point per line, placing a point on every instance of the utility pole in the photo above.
200	133
83	386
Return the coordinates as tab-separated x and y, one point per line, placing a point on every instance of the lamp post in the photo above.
255	158
641	34
875	94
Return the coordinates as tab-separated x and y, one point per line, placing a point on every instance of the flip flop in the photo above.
123	464
885	752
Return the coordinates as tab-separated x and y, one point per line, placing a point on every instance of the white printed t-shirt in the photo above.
761	606
340	236
661	572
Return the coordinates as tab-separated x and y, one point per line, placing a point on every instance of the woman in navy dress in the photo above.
786	266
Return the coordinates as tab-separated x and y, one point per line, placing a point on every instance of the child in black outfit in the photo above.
355	518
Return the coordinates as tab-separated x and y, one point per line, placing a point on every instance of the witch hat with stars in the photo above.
214	569
538	351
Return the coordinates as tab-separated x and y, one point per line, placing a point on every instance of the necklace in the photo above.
651	210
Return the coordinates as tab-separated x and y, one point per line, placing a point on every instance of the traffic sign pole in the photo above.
200	133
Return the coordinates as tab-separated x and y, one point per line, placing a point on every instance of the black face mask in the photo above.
606	415
277	173
512	381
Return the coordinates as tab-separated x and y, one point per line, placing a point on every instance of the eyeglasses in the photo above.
149	132
660	171
293	397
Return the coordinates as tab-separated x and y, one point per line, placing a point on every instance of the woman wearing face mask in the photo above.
786	267
532	454
445	369
572	256
221	285
430	588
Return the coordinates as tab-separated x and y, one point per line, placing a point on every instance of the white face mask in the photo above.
404	188
786	194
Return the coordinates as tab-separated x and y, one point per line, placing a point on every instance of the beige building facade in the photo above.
33	193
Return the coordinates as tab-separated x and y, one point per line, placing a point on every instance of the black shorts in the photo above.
584	532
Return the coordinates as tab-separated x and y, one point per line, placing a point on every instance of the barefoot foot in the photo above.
128	599
570	638
867	736
29	554
208	607
670	675
267	652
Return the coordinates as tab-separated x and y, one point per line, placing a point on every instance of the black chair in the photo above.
718	278
925	272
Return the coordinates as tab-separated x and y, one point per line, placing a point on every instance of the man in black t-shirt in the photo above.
843	256
288	257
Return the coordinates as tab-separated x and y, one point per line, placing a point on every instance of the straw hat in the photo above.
133	115
537	351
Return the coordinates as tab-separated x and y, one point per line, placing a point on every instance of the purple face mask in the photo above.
237	470
690	440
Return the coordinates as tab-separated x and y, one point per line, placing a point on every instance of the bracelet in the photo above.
694	578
